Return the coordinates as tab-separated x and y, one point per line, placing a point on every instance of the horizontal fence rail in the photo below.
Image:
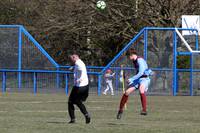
25	63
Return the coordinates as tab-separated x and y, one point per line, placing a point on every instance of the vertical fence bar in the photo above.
57	78
174	63
191	74
177	83
99	85
35	83
117	80
197	41
66	84
145	43
4	83
19	56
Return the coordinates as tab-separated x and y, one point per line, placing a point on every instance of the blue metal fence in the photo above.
144	32
61	75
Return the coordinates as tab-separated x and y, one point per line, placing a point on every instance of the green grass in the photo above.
47	113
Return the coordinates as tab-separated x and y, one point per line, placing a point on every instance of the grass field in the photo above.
47	113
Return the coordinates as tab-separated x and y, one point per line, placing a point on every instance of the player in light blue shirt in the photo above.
139	81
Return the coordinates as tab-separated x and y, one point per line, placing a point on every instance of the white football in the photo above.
101	4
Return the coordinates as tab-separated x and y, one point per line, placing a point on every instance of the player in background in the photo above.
80	89
108	79
139	81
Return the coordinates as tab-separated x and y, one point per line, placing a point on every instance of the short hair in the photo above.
131	52
74	57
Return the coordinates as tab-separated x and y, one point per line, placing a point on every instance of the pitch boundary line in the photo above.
40	102
55	111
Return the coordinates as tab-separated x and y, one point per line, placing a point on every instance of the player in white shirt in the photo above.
80	89
108	79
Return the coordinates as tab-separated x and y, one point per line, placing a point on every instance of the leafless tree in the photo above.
62	26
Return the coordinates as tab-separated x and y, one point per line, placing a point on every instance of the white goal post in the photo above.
185	42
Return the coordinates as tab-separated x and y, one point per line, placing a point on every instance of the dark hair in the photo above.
131	51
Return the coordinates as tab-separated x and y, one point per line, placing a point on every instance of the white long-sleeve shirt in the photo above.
80	74
109	77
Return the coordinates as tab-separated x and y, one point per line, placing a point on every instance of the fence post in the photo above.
174	64
191	74
35	83
19	57
66	84
117	80
57	78
4	83
99	85
197	41
145	43
177	83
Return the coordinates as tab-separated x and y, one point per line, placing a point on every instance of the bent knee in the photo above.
129	91
142	90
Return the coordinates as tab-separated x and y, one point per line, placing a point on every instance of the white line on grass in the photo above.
39	102
53	111
56	111
32	102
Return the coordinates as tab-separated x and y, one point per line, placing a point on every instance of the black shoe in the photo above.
87	119
72	121
119	115
143	113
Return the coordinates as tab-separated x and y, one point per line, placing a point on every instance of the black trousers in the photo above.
77	97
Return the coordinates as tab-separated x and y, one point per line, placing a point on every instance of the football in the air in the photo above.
101	4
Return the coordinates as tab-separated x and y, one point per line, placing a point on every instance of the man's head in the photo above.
108	71
132	54
74	57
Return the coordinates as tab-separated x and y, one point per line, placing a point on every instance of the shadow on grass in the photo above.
115	124
57	122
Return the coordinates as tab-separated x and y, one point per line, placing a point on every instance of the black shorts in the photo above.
79	93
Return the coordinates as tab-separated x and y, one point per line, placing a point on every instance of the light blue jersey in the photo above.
142	74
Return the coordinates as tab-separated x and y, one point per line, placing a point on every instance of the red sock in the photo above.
123	101
144	102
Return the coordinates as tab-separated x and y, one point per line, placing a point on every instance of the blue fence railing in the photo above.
174	69
98	71
35	78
